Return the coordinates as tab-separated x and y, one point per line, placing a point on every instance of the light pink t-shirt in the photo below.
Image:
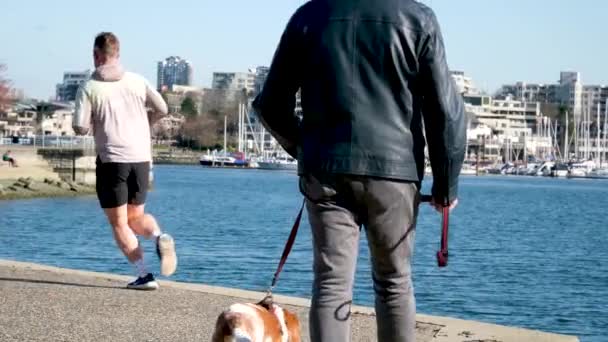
113	104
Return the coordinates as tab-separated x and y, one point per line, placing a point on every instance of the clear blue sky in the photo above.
494	41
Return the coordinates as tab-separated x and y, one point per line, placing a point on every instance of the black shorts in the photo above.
121	183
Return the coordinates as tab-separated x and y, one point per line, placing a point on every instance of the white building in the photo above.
58	123
514	124
234	81
72	80
20	123
571	91
464	83
568	92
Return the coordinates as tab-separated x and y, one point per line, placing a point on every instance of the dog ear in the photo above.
293	326
222	328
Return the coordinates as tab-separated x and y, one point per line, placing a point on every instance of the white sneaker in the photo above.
165	249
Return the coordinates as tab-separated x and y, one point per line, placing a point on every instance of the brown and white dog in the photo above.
261	322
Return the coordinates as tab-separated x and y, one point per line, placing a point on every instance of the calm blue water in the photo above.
527	252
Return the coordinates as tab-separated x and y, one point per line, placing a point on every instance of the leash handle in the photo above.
287	249
442	254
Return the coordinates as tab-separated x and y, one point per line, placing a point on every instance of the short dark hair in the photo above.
107	43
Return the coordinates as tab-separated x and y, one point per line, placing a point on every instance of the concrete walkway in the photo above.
42	303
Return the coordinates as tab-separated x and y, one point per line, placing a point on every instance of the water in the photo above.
526	252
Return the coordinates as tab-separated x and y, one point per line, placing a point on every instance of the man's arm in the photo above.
81	122
275	105
444	117
155	101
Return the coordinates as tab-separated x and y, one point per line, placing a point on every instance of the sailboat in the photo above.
601	171
223	159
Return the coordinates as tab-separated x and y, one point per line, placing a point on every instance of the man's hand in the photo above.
438	205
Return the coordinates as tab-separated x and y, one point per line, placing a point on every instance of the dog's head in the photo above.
257	322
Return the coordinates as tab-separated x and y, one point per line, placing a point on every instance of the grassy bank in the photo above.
24	188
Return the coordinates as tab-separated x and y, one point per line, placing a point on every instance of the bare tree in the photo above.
4	88
200	131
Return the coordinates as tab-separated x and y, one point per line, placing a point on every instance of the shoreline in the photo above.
29	188
91	300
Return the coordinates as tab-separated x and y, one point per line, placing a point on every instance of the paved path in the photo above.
42	303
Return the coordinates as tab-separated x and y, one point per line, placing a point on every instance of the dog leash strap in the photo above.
288	246
444	232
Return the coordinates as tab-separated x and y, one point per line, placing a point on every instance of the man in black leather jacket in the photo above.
374	84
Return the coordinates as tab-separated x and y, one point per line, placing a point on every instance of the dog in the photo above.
257	322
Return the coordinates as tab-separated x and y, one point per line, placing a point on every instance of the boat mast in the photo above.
605	129
225	129
565	153
597	145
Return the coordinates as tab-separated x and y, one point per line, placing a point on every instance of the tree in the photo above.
4	88
199	132
188	107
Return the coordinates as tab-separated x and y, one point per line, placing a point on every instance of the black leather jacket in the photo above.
374	82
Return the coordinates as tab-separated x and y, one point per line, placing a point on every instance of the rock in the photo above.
29	179
21	180
32	186
18	185
48	181
12	188
1	187
73	189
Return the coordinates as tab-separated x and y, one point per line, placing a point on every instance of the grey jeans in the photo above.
337	207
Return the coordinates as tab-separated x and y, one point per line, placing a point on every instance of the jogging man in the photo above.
113	105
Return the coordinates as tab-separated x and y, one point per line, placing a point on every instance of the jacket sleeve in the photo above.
444	117
81	122
275	105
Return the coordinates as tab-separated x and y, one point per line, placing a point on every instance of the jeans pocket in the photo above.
315	190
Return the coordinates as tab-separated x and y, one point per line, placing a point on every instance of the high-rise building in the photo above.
261	73
234	81
172	71
66	91
571	91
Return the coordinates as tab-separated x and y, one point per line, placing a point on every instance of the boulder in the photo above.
32	186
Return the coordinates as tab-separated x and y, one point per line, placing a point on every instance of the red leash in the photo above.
288	246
